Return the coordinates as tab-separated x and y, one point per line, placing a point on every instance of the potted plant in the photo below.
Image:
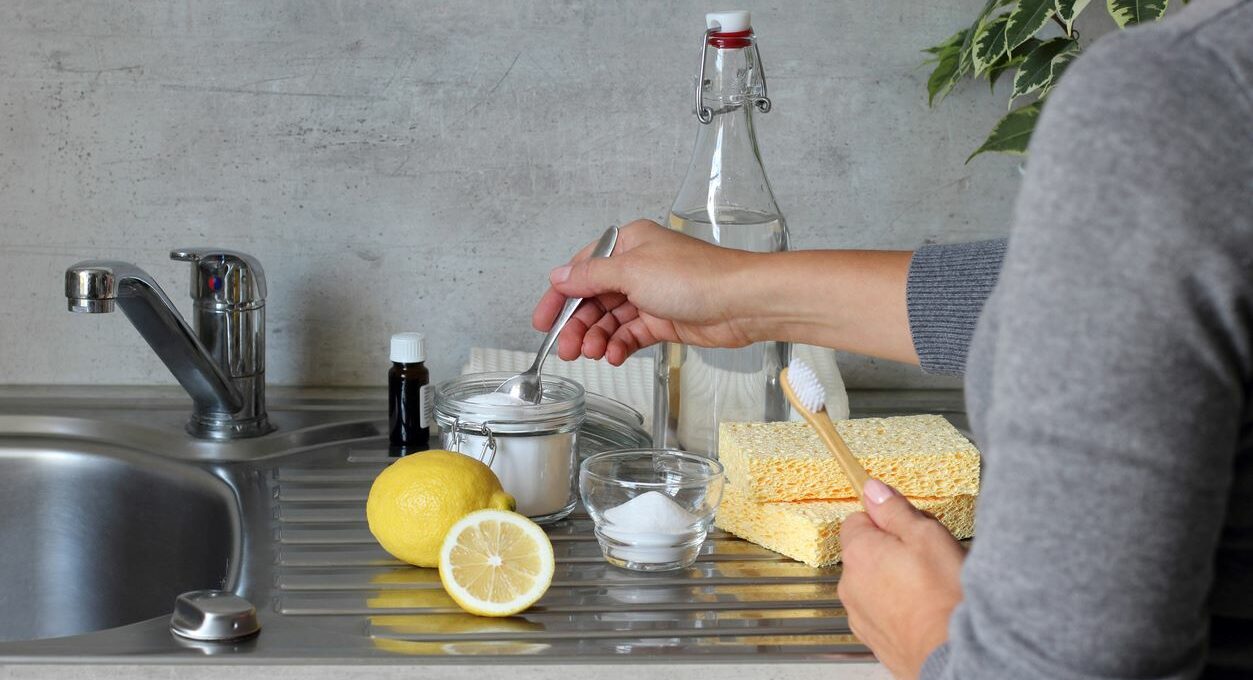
1014	34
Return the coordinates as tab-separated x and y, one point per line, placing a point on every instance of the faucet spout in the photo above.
97	286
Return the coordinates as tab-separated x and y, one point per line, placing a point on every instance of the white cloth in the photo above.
632	382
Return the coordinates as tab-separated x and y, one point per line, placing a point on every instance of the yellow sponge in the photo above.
921	456
809	531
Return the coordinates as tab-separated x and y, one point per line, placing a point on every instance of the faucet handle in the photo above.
223	276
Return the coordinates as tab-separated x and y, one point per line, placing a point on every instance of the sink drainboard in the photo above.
739	598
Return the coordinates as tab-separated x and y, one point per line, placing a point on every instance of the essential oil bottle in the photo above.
409	395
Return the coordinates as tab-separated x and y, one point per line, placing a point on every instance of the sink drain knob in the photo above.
213	616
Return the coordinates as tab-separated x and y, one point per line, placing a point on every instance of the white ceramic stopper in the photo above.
729	22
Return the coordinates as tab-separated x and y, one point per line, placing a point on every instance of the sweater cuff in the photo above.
936	663
945	293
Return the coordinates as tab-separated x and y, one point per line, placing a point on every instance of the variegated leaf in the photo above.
994	73
1059	66
1037	69
1067	10
1012	133
1129	12
989	44
967	62
1007	62
1025	20
953	41
947	67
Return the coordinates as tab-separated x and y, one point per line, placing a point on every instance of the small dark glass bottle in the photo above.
409	396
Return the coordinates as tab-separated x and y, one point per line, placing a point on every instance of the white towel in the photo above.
632	382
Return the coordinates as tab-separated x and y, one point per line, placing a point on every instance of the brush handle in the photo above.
821	422
852	467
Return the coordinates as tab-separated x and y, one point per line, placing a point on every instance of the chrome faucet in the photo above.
221	363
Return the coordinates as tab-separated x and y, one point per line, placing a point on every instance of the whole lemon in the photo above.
418	498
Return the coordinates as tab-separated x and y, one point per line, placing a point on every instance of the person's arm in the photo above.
948	286
851	300
661	286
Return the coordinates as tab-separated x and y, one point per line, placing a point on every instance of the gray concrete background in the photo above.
414	165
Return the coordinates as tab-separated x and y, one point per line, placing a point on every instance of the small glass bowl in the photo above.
673	496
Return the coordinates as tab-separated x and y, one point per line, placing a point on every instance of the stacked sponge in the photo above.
787	493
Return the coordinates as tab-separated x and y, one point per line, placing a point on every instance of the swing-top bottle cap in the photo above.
729	22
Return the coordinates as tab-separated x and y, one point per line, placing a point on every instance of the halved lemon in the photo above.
496	563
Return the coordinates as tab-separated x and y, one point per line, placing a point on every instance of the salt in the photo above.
652	528
652	511
498	399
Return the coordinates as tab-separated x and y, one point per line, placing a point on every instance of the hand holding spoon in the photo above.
526	385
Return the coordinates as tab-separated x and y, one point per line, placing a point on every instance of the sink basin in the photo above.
94	536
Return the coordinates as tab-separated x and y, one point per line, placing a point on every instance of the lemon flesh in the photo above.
415	501
496	563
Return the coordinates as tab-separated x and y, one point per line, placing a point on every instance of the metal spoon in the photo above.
526	385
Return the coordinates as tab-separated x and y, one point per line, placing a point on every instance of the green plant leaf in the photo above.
1059	66
1067	10
966	64
989	44
1130	12
947	69
995	71
1007	62
988	8
953	58
942	78
952	42
1037	69
1013	132
1025	20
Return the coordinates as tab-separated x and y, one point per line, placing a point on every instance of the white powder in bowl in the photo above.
651	529
651	512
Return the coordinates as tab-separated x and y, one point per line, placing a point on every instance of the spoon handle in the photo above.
604	248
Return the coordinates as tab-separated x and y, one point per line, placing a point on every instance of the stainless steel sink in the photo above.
109	509
94	536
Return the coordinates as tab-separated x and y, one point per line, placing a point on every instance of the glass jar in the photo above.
611	425
532	448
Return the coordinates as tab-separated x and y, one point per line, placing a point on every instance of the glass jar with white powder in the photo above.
532	448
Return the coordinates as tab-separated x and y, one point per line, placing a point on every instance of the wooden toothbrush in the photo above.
807	395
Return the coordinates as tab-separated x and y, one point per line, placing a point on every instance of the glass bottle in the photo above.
724	199
408	395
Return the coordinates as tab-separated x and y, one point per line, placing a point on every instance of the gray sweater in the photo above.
1108	380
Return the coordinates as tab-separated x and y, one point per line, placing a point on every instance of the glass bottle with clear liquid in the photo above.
724	199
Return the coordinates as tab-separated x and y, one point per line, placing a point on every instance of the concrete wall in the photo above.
406	164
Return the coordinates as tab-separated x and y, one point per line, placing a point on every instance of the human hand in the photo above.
901	579
659	286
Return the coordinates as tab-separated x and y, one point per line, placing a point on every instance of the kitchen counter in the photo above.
353	670
333	604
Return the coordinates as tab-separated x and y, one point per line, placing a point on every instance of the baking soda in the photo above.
653	528
498	399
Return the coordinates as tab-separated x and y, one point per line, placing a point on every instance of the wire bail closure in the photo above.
458	431
705	114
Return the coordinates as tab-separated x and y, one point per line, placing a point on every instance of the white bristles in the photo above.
805	384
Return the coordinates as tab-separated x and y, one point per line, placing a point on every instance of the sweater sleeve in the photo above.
945	292
1109	376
